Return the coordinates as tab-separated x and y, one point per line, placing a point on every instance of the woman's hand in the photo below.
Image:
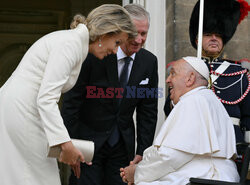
71	156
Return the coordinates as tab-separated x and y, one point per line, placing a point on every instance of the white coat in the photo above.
30	119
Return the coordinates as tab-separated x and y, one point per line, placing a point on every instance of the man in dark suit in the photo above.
101	106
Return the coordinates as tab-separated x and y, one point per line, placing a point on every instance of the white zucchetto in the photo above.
199	65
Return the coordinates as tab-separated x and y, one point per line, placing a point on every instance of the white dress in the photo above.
196	140
30	119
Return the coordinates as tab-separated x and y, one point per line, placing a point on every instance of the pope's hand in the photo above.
127	173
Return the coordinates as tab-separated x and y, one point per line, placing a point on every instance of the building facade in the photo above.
23	22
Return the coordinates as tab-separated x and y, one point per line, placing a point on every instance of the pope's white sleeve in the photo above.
158	162
59	66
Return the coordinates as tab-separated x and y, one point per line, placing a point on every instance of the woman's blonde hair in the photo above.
105	19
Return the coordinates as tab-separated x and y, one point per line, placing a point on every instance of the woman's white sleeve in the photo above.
59	66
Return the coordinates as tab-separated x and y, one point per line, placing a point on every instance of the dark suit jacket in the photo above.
91	109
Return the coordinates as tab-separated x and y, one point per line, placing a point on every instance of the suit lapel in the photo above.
134	75
135	70
112	73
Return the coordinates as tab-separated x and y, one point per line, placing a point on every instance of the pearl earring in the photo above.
100	44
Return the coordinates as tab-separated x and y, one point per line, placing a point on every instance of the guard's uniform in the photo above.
231	84
231	80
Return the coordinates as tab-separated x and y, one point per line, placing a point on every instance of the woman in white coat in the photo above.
30	120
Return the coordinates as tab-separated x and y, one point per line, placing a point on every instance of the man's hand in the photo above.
127	173
137	159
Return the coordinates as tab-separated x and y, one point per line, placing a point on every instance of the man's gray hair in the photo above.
138	12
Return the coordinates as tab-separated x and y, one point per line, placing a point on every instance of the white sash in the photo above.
220	70
236	121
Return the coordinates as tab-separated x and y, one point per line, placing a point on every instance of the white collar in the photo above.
120	54
192	91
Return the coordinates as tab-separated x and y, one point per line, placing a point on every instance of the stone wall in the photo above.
178	15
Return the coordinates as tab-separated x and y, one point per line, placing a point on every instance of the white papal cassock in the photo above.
196	140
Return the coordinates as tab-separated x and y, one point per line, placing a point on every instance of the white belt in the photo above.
236	121
220	70
247	136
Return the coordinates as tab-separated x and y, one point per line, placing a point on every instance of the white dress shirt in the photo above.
120	61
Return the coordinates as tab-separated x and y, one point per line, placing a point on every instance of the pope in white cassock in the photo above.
196	140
